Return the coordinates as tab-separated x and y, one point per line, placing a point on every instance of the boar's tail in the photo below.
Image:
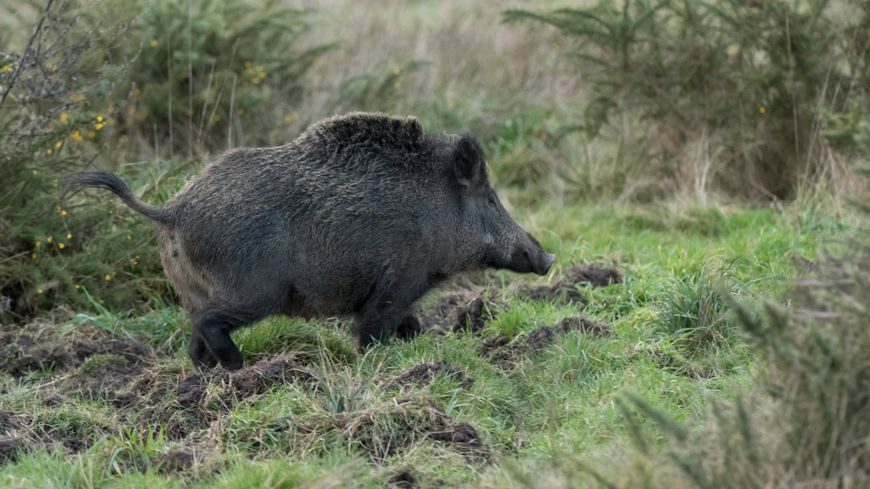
113	183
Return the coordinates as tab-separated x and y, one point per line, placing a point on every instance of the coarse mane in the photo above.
363	127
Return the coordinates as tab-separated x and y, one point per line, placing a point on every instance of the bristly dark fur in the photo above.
361	214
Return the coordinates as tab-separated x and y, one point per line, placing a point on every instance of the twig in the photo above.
27	49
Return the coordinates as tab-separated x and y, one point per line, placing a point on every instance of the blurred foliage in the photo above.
89	84
213	74
750	76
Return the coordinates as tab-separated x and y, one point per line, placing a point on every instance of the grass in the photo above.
358	422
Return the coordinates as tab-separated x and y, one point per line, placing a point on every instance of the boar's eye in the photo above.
491	201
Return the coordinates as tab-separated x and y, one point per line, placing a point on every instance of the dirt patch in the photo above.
404	479
101	376
594	276
264	375
423	374
175	461
8	424
561	293
34	348
507	352
566	291
10	448
181	404
396	427
463	311
804	264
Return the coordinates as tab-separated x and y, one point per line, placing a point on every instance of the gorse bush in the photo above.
745	82
87	86
207	74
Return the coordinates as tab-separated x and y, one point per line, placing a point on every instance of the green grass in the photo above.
673	343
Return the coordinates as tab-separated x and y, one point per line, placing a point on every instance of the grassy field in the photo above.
690	164
534	372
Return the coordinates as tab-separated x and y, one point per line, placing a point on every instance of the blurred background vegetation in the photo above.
646	117
762	101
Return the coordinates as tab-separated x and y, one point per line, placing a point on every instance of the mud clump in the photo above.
594	276
561	293
424	373
10	448
34	348
264	375
175	461
566	290
461	312
383	433
404	479
507	352
181	404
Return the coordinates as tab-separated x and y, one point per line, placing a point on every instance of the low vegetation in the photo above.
697	175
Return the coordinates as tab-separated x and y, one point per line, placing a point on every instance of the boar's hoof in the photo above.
408	328
199	354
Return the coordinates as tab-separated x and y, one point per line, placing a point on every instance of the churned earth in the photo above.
507	368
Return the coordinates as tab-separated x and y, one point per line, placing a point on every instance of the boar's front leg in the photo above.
408	328
386	310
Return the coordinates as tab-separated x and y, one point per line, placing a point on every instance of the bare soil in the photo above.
507	352
423	374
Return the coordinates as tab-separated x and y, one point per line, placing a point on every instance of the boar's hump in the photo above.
362	127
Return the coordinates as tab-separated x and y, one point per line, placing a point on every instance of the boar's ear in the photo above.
468	162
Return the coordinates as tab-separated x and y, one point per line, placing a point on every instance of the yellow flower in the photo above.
98	125
49	239
37	244
6	68
129	237
107	278
248	65
92	134
63	213
48	151
761	109
68	236
76	135
154	43
63	117
100	118
61	245
39	291
397	71
33	256
58	145
77	98
78	286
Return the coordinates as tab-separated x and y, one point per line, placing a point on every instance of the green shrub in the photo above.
94	85
695	314
743	80
207	74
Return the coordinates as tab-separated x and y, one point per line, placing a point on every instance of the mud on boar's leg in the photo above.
214	325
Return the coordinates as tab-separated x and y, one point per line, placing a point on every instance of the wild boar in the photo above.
360	215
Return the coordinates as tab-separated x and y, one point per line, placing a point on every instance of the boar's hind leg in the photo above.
198	351
213	326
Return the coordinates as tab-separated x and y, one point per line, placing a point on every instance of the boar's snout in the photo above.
528	256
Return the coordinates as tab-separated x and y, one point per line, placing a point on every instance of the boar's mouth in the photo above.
527	256
524	260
